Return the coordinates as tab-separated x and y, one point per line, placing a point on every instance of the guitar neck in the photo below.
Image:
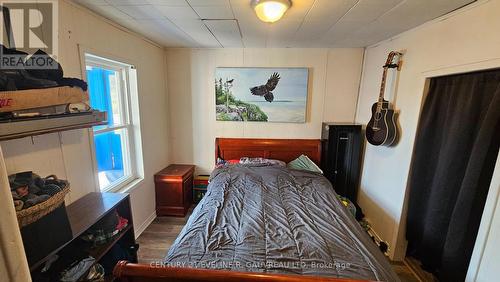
388	64
382	86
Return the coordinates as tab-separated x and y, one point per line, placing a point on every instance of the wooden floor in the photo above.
155	241
160	235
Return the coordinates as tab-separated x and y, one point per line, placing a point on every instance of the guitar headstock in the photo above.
390	60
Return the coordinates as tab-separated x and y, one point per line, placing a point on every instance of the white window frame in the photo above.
131	162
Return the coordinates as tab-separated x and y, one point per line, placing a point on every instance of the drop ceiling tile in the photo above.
284	27
350	43
364	13
214	12
133	25
371	34
298	10
165	32
312	30
239	2
405	16
329	10
413	13
369	10
208	2
169	2
258	41
282	33
340	31
198	32
445	6
144	12
256	27
253	32
226	32
176	12
127	2
243	12
88	3
111	12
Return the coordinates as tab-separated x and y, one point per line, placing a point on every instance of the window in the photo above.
114	144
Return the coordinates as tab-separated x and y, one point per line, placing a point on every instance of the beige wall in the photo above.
13	263
466	40
333	87
68	154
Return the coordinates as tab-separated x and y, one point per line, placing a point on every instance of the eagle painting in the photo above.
265	90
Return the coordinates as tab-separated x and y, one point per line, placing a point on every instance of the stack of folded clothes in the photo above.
29	189
17	77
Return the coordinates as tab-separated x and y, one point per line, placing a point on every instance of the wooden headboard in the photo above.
281	149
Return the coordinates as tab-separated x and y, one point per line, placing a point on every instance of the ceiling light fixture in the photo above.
270	11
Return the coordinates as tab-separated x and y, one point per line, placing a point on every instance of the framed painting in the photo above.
261	94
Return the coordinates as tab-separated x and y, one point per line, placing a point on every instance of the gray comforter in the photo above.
272	219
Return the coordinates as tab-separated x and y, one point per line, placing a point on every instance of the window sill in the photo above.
129	187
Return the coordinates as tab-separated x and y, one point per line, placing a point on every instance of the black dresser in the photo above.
341	159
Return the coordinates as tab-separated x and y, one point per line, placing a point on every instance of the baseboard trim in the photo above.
144	225
377	239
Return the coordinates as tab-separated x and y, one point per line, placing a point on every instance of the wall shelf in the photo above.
14	129
82	215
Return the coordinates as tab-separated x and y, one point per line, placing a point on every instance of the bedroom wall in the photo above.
463	41
68	154
333	86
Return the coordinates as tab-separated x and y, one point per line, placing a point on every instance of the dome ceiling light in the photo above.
270	11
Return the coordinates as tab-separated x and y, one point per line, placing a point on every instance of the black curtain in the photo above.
455	152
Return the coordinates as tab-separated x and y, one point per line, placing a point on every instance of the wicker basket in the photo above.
34	213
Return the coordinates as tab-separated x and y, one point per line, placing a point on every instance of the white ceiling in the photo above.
233	23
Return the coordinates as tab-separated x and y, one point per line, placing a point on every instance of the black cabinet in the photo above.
341	160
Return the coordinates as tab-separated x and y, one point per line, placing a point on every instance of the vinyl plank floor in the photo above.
161	233
155	241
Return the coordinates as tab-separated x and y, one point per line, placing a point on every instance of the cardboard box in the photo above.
37	98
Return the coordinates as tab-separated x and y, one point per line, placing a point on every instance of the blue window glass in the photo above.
111	140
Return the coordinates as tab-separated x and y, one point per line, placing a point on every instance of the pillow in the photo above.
304	163
247	160
221	163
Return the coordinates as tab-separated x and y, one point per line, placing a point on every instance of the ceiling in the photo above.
233	23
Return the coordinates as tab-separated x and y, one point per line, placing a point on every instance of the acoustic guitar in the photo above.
382	129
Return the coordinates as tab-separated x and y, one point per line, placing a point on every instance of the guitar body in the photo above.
382	129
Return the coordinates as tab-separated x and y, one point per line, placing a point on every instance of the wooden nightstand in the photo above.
174	190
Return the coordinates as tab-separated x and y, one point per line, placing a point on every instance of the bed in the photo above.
268	223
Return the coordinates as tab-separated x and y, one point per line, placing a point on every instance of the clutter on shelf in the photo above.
92	256
16	77
76	256
106	229
41	91
33	102
75	271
